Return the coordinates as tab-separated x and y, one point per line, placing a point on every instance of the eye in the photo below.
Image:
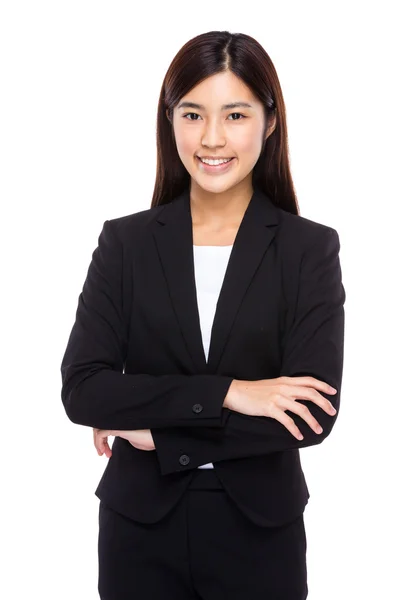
196	114
186	114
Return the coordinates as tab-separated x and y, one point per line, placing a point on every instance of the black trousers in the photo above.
205	548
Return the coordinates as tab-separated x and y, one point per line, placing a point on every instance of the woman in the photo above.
209	341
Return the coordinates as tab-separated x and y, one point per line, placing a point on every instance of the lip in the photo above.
214	157
215	168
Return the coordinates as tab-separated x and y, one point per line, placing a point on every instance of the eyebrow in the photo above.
224	106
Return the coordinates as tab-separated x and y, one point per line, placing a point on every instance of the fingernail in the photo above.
332	389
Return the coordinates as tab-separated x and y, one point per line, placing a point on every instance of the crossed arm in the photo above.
96	393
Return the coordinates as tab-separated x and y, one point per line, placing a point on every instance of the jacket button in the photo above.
184	459
197	408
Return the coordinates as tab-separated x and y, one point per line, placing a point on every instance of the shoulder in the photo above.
127	227
309	256
304	232
298	236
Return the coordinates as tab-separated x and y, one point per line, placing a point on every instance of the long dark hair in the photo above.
201	57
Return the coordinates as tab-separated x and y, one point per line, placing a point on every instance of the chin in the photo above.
214	187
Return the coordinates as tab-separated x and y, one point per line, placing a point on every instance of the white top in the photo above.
210	266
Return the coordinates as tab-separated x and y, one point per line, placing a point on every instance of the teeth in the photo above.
214	162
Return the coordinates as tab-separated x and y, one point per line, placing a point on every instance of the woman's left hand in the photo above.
139	438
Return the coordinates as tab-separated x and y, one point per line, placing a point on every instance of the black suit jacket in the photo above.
135	359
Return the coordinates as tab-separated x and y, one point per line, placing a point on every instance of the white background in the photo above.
80	82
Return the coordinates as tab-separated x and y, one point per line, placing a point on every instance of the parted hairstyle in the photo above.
205	55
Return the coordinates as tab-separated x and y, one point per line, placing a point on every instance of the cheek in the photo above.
184	146
185	143
247	143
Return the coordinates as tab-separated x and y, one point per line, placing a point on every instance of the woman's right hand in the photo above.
271	397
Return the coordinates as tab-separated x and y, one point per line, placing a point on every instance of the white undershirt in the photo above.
210	266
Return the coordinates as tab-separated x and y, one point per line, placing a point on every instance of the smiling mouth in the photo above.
225	161
216	157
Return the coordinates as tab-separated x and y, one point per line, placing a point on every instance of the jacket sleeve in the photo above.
95	391
313	346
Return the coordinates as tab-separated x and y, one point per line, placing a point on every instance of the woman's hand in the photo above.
272	397
139	438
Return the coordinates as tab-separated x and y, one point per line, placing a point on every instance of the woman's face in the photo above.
212	130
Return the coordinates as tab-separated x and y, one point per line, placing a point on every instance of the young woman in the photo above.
208	341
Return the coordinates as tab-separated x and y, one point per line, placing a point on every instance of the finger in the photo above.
289	423
301	410
100	445
307	393
103	447
101	442
107	449
309	381
96	441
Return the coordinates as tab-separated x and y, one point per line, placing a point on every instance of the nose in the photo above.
214	134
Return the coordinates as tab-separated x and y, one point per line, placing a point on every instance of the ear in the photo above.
271	127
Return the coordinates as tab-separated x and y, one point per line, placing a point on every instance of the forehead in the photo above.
221	90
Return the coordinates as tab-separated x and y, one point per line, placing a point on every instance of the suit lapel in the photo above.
174	239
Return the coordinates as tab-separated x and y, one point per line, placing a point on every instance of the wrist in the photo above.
231	396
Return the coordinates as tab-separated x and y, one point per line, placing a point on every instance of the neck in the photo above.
216	210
